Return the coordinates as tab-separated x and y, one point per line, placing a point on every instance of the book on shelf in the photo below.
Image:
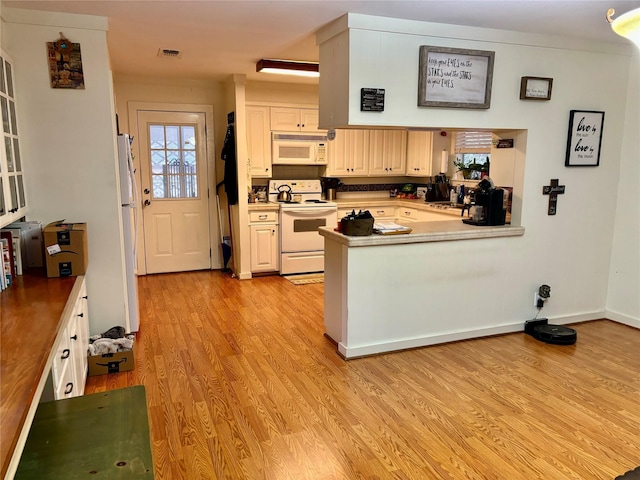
6	250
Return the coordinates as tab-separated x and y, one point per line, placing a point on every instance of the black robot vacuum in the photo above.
555	334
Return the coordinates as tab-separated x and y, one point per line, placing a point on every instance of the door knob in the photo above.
146	191
147	203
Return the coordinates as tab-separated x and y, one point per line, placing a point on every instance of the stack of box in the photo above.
66	253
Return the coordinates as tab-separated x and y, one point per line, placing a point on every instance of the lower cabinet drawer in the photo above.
66	387
408	213
263	216
62	358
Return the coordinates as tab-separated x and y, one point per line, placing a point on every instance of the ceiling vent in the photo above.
169	53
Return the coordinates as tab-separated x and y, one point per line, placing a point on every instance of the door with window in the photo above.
175	206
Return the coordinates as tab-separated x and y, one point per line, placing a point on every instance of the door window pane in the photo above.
16	155
174	163
8	151
2	209
5	115
14	123
13	190
23	202
9	79
156	134
2	84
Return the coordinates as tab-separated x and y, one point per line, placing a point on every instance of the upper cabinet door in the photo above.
347	155
388	152
309	118
419	152
13	203
287	119
259	141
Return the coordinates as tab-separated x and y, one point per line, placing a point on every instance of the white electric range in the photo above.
301	246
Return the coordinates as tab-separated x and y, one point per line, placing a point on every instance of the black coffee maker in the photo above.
491	200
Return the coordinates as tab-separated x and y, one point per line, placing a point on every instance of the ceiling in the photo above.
218	38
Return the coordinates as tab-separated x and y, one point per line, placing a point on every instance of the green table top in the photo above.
99	436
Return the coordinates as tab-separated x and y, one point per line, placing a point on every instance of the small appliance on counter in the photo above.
489	205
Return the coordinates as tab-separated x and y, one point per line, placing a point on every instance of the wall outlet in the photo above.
538	301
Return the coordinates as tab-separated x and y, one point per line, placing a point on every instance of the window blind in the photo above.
473	142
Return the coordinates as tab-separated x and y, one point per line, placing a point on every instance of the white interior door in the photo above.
175	206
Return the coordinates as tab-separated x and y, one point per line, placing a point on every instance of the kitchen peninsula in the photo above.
391	292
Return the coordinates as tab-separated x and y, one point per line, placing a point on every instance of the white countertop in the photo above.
434	231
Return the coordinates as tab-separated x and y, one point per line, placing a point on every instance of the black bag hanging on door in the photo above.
230	166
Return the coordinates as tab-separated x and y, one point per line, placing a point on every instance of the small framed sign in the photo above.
584	138
372	99
535	88
455	77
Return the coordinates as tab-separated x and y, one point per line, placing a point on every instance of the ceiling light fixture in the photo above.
626	25
288	67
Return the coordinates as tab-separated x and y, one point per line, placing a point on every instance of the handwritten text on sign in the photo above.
456	78
585	135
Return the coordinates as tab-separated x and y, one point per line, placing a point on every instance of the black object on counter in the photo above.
357	225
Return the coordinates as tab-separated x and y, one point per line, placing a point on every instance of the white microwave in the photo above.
299	149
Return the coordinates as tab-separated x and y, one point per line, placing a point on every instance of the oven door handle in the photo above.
309	212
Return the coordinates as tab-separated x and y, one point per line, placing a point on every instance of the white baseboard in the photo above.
424	341
622	318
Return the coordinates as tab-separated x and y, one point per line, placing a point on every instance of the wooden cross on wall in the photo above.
553	190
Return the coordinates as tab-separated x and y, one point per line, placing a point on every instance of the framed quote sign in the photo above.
455	77
584	138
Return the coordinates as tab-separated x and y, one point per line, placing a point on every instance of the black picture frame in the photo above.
584	138
535	88
455	77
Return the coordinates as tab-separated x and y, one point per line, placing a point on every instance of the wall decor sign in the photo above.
65	64
553	190
455	77
584	138
372	99
535	88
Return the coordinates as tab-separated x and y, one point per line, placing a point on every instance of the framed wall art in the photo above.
535	88
455	77
65	64
584	138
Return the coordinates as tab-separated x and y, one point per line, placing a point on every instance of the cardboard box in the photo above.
66	253
112	362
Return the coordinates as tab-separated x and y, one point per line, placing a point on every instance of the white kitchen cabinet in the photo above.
387	152
264	230
385	213
13	203
425	216
347	154
287	119
258	141
69	365
419	153
407	214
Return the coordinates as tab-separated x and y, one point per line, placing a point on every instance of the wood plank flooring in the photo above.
242	384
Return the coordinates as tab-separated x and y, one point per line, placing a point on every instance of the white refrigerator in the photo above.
129	202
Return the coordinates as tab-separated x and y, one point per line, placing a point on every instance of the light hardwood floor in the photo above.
242	384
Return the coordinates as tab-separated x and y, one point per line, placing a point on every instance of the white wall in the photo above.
570	251
69	146
623	301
